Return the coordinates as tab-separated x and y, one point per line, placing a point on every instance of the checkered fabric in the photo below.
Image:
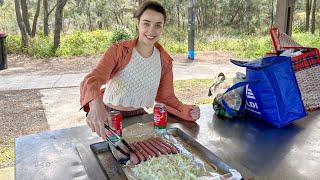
306	60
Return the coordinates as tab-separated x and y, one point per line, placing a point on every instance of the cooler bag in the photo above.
271	92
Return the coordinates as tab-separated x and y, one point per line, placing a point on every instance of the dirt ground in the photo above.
22	113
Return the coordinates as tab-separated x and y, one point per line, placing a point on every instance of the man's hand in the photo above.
97	116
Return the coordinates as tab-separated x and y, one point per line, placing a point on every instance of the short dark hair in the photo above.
151	5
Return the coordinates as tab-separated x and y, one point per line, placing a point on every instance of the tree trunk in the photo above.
198	25
307	15
214	17
100	23
115	14
45	18
272	13
191	29
89	15
22	27
35	19
313	16
58	22
205	19
25	15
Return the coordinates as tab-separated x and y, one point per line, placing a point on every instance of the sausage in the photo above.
171	146
161	144
149	151
157	146
155	150
134	158
140	156
141	150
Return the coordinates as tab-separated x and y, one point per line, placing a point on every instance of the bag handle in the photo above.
239	63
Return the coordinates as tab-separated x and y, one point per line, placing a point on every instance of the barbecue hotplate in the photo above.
114	170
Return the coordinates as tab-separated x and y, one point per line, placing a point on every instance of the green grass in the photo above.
95	42
7	154
192	83
203	101
195	91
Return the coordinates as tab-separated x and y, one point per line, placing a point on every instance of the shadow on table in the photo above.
256	144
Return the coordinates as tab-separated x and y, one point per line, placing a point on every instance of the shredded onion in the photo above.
174	166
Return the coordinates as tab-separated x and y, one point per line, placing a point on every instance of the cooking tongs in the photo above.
119	139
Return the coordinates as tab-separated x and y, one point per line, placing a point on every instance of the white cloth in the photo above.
137	84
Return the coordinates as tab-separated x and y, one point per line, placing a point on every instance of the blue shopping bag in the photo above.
271	92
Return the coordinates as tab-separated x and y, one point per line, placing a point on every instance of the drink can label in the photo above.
116	124
159	116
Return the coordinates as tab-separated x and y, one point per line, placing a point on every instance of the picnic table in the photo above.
252	147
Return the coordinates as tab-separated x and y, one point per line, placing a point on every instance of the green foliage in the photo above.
8	22
299	28
243	47
13	43
307	39
96	42
174	46
174	40
299	23
41	47
74	44
120	33
83	43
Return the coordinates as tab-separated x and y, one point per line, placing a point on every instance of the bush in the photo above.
13	44
120	33
95	42
41	47
174	46
84	43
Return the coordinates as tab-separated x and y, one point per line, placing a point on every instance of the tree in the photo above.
25	15
58	22
271	13
46	14
308	4
45	18
313	16
35	19
22	26
88	11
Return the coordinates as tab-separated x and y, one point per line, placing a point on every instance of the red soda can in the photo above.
159	117
116	124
